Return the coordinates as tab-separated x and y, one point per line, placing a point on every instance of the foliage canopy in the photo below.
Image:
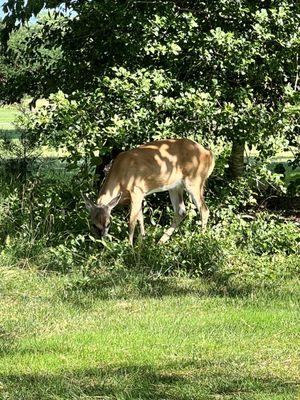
230	69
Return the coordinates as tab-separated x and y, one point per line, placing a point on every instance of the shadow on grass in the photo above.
136	286
7	342
180	381
131	285
207	272
9	134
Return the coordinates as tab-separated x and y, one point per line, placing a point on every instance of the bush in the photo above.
219	258
42	207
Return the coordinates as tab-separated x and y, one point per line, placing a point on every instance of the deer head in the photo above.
100	215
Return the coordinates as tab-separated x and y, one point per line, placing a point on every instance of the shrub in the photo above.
262	234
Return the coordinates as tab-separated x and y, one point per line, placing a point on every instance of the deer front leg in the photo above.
135	215
196	190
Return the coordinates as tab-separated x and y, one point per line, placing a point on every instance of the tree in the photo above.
243	55
31	69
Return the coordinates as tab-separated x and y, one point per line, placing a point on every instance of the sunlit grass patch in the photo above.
7	116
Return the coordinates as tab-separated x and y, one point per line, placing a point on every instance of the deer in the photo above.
174	165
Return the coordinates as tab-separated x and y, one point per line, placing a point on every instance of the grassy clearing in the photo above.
174	347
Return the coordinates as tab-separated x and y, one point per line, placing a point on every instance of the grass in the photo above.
8	129
7	117
173	347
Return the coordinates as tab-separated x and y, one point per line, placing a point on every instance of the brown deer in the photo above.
172	164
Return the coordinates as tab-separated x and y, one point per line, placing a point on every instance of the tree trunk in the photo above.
236	160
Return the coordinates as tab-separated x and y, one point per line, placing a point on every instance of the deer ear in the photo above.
114	201
88	203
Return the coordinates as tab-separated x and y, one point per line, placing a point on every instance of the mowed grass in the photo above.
172	347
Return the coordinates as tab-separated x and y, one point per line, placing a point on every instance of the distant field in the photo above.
7	117
9	113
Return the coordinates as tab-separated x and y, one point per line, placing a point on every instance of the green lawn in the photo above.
173	347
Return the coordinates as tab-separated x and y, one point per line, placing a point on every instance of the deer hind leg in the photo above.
135	215
196	190
141	222
176	196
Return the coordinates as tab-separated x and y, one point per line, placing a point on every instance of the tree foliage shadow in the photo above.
184	380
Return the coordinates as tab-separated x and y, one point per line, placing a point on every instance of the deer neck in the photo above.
107	193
